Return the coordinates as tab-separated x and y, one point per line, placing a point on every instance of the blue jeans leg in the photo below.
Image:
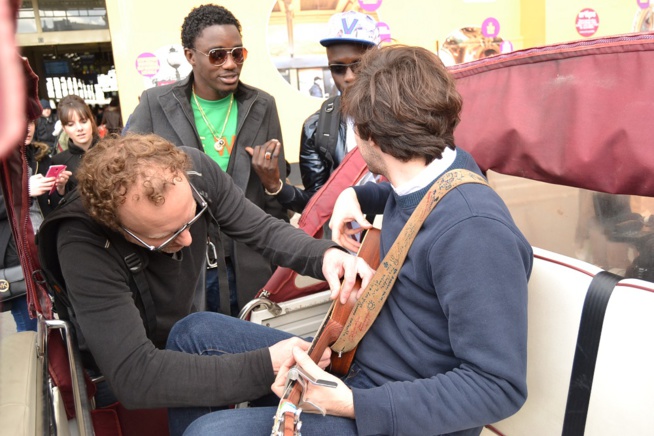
214	334
22	316
259	421
213	289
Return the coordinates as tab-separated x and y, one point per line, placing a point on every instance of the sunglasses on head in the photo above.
218	56
341	69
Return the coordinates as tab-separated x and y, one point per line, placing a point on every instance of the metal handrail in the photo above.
81	400
273	307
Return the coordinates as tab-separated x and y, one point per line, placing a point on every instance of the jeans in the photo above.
213	289
21	315
197	334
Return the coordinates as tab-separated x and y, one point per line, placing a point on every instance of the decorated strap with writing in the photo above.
369	305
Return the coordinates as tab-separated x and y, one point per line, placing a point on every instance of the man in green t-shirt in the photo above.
214	111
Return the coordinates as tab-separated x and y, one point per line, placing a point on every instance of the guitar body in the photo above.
369	251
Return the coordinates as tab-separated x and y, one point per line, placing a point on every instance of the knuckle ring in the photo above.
268	155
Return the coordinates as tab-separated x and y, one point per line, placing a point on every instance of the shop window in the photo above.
26	22
57	15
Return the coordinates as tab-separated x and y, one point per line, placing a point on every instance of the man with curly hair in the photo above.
158	199
213	111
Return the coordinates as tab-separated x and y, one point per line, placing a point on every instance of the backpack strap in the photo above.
51	269
329	123
138	284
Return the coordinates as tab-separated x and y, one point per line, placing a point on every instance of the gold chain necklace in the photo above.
219	141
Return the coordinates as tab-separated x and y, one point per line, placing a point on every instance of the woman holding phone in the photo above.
41	181
78	122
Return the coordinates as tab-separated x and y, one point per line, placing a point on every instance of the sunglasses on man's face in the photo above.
218	56
341	69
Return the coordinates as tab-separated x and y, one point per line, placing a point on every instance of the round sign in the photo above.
370	5
587	22
490	28
384	32
147	64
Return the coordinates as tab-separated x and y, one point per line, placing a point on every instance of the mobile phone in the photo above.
54	171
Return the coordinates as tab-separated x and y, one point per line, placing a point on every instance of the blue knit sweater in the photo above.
448	351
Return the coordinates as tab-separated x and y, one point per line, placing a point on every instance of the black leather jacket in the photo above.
316	164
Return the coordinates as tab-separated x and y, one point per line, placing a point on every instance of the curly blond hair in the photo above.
116	164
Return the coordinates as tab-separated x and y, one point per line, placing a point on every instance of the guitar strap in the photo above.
369	305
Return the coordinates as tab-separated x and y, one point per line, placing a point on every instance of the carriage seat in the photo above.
20	385
621	398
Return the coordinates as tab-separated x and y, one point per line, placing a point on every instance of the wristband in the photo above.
281	185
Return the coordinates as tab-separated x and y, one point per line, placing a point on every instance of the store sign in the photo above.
587	22
384	32
370	5
147	64
490	28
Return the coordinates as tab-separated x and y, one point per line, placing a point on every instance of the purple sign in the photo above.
384	32
147	64
490	28
644	4
370	5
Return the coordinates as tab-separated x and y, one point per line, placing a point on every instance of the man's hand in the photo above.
265	162
346	211
281	352
335	401
336	264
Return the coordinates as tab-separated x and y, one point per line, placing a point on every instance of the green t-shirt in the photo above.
216	112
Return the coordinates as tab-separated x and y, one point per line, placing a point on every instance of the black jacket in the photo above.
44	128
108	318
316	162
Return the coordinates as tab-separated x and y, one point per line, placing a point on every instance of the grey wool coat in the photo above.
166	111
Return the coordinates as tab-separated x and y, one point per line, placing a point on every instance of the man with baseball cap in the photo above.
349	35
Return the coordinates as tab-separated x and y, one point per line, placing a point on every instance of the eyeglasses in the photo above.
203	204
341	69
218	56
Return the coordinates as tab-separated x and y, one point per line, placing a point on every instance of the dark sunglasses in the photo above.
218	56
341	69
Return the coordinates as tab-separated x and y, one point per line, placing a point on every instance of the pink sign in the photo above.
370	5
384	32
147	64
490	28
587	22
644	4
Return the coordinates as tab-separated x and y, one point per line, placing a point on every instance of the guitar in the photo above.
287	419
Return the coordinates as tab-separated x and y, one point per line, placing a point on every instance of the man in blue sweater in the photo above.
447	354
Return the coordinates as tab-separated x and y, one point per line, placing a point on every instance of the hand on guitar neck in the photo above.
335	401
281	353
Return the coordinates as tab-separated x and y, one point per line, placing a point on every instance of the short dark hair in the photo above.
202	17
405	100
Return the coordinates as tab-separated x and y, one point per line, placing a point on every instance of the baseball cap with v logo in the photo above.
351	26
